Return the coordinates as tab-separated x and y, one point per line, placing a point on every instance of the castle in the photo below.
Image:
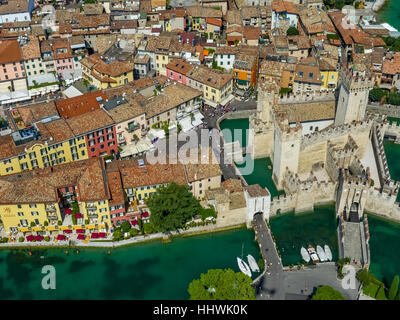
326	148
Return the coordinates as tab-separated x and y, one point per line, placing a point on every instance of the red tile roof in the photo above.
75	106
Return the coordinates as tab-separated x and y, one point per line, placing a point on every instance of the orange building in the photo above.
245	70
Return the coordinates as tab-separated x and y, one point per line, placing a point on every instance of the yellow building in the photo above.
106	75
329	74
197	16
37	201
216	85
55	144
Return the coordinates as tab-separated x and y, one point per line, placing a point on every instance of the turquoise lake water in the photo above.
146	271
390	13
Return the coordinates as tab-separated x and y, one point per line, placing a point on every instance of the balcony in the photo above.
91	207
52	216
50	208
121	139
92	215
132	127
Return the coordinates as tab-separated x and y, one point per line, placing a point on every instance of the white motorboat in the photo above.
313	254
321	254
328	252
243	266
304	254
252	263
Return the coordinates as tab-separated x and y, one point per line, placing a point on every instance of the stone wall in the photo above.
383	204
386	109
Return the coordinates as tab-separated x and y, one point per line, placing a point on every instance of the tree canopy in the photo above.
394	288
292	31
327	293
218	284
171	207
376	94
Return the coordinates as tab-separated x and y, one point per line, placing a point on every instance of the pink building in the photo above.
11	62
177	70
63	57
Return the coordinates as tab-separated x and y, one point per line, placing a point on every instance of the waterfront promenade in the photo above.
115	244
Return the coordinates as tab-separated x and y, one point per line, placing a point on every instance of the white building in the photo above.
257	200
15	10
284	15
225	57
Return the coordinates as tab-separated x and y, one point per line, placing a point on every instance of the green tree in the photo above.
292	31
376	94
125	226
171	207
327	293
394	98
218	284
394	288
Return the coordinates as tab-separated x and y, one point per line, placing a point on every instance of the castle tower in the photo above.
353	97
267	98
287	142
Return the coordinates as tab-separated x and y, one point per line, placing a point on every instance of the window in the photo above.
34	213
21	214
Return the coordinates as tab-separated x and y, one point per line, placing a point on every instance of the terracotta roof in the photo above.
173	96
249	12
10	51
210	77
90	121
114	69
232	185
134	176
180	66
116	189
227	50
284	6
310	111
14	6
204	168
203	12
392	66
308	73
61	44
31	50
35	112
214	21
255	190
251	33
40	186
72	107
233	17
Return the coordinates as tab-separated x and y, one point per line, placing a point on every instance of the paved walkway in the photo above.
271	285
114	244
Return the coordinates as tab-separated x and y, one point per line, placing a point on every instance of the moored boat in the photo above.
243	266
313	254
321	254
252	263
328	252
304	254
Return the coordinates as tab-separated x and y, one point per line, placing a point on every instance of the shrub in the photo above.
86	221
133	231
33	224
21	239
47	238
59	222
125	226
376	94
46	223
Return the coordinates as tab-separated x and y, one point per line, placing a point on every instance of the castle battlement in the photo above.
334	131
356	82
310	96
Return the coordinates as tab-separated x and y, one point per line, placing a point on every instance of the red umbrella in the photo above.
102	235
78	215
67	231
134	222
94	235
80	231
81	237
60	237
30	238
68	211
145	214
38	238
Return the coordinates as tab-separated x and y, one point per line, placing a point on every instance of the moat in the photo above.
292	231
